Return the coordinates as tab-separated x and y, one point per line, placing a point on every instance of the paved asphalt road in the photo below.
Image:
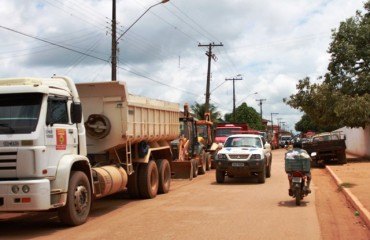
197	209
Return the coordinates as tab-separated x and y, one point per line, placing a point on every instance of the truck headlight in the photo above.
255	157
15	189
25	188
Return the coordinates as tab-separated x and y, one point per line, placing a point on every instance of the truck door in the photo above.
60	133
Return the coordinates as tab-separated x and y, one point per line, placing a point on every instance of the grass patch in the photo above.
345	185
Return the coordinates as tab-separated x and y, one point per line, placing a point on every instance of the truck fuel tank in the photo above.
109	180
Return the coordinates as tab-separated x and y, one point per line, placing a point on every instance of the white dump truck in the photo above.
64	144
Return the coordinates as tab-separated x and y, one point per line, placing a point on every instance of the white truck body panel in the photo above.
132	117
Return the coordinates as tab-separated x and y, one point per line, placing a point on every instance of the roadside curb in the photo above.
364	213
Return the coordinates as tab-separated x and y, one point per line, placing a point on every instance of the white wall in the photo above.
358	140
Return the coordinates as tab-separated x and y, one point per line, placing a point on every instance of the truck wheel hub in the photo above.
81	198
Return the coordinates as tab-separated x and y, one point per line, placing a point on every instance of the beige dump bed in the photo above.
113	116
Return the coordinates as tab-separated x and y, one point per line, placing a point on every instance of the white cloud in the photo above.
271	43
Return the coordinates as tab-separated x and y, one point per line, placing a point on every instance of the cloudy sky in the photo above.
271	44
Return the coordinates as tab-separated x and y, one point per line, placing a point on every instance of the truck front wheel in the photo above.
77	208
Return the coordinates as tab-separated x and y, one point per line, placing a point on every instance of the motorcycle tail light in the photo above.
298	174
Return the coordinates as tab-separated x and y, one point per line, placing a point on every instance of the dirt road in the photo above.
200	209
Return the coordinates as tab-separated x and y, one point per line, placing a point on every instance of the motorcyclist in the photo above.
307	174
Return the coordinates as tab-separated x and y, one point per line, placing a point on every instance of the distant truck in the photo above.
326	147
224	130
64	144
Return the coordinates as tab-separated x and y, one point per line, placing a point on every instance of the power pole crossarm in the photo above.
210	56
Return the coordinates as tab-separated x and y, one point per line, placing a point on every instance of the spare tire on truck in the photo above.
97	126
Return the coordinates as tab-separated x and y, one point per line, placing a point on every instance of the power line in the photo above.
52	43
191	27
195	22
95	57
73	15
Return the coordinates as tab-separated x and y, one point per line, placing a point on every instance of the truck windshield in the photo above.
225	132
19	113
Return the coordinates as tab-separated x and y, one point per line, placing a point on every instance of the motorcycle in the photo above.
299	185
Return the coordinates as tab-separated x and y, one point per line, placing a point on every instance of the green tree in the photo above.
245	114
343	98
306	124
199	110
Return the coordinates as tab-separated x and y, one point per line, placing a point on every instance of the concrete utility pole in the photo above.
234	79
210	56
114	43
260	100
272	123
114	35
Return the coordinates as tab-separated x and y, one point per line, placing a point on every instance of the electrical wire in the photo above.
98	58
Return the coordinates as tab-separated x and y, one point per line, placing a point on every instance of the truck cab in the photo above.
40	131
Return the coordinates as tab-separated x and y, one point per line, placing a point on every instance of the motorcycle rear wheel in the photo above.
298	197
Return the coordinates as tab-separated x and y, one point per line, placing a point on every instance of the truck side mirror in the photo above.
76	112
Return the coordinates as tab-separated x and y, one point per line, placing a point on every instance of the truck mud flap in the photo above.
182	170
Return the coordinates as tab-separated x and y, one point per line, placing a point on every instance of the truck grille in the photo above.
238	156
8	161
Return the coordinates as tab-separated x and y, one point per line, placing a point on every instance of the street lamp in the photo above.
161	2
247	97
115	40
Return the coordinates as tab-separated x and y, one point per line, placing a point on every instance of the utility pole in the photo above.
210	56
234	79
260	100
115	40
272	123
114	43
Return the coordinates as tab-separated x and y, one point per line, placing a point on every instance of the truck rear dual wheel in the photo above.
164	170
78	205
148	180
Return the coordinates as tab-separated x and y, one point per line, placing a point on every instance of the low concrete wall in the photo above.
357	140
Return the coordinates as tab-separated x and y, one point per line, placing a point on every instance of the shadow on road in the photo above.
38	224
238	181
291	203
